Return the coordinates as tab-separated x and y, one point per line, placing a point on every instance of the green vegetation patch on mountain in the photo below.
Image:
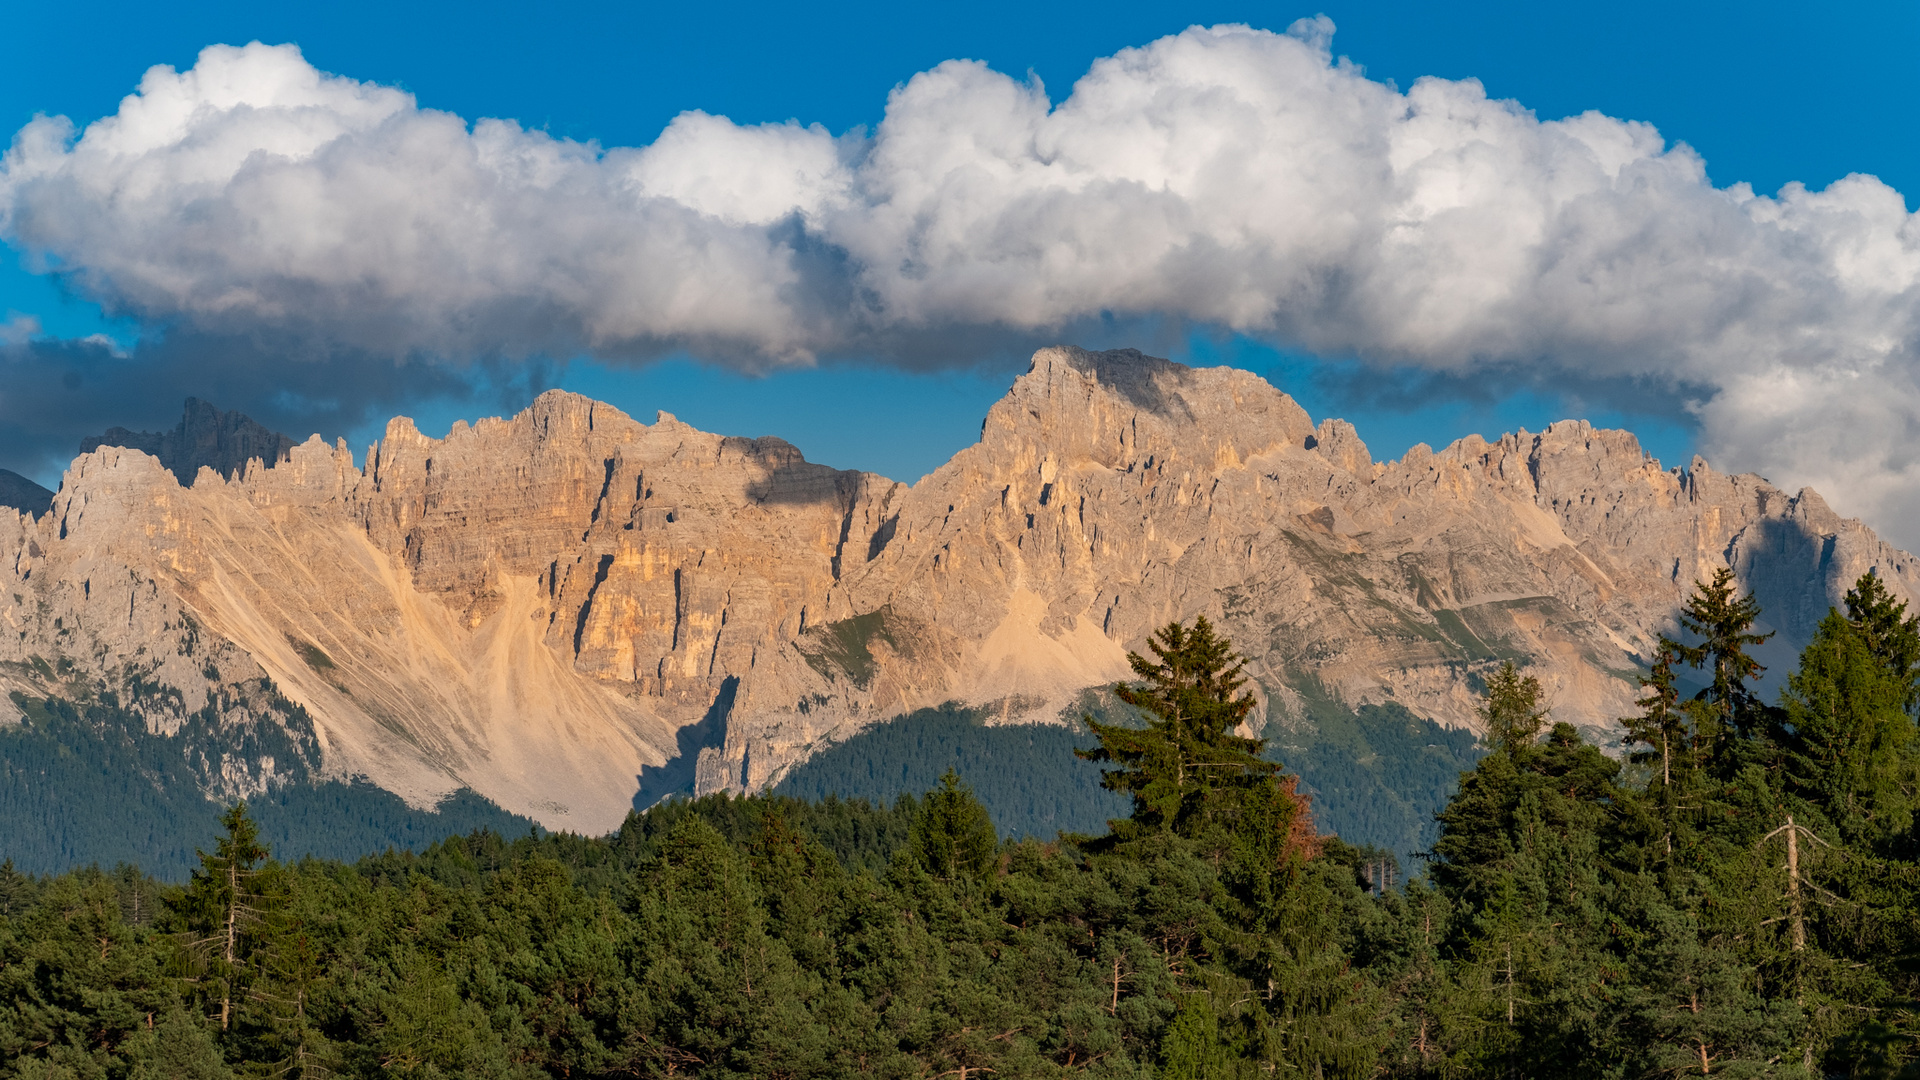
846	647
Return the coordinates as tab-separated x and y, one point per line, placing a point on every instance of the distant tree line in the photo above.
88	782
1737	897
1024	773
1376	773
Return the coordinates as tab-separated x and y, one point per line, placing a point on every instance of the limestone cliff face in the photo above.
1112	493
553	607
536	608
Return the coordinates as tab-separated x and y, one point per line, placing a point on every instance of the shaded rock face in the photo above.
206	438
567	606
19	493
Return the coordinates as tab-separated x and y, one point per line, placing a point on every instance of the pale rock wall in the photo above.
546	607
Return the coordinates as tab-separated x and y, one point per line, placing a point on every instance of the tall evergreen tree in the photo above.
1662	725
1511	709
953	838
1890	634
1189	771
1724	624
222	912
1848	739
16	890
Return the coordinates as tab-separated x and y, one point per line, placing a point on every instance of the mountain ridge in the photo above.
549	608
206	437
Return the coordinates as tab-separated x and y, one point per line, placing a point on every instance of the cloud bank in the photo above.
1224	177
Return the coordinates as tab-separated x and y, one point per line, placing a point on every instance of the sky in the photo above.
848	225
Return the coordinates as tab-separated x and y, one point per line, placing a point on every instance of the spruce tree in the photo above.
223	909
1889	633
953	838
1189	771
1191	1048
16	890
1848	740
1723	622
1846	890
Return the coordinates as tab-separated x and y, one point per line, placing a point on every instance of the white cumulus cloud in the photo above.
18	329
1225	177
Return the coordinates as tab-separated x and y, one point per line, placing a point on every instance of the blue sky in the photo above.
1765	93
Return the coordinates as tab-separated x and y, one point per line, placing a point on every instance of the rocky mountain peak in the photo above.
206	437
1340	444
1121	406
563	606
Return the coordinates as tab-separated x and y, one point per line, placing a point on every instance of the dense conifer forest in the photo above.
1376	775
1735	894
89	783
1023	774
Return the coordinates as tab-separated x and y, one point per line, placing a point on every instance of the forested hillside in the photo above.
1376	775
89	783
1739	898
1024	774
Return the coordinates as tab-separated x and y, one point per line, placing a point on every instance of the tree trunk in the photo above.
1793	885
233	919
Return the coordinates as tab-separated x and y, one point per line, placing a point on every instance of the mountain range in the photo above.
571	611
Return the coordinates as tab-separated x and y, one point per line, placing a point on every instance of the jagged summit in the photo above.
565	606
206	437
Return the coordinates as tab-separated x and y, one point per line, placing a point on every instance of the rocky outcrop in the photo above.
565	607
205	438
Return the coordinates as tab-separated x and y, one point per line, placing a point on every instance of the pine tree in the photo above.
1669	729
179	1048
1694	1005
1661	726
222	908
291	968
1520	856
77	984
735	998
1511	710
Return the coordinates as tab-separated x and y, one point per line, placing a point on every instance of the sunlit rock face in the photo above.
569	606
